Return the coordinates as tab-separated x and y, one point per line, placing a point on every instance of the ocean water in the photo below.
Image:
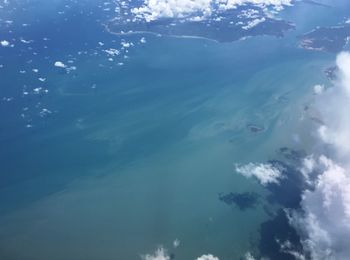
133	156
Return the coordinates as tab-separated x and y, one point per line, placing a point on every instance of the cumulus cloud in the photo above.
253	23
334	106
264	173
155	9
309	164
207	257
278	4
159	254
324	222
249	256
4	43
318	89
343	63
60	64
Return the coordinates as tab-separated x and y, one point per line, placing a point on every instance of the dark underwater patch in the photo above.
287	195
243	201
290	154
331	73
253	128
276	231
288	191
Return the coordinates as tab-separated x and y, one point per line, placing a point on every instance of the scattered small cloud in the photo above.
154	9
176	243
249	256
264	173
207	257
60	64
5	43
159	254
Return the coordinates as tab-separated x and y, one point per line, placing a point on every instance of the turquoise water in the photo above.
134	156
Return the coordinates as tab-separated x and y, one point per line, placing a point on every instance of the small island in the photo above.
328	39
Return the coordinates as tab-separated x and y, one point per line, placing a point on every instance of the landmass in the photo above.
227	26
328	39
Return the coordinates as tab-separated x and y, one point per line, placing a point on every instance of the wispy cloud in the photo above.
162	254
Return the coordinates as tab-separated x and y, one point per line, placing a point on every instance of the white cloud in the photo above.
155	9
326	217
253	23
248	256
159	254
308	166
126	44
318	89
25	41
278	4
112	52
265	173
288	248
207	257
343	63
5	43
334	107
324	222
60	64
176	243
